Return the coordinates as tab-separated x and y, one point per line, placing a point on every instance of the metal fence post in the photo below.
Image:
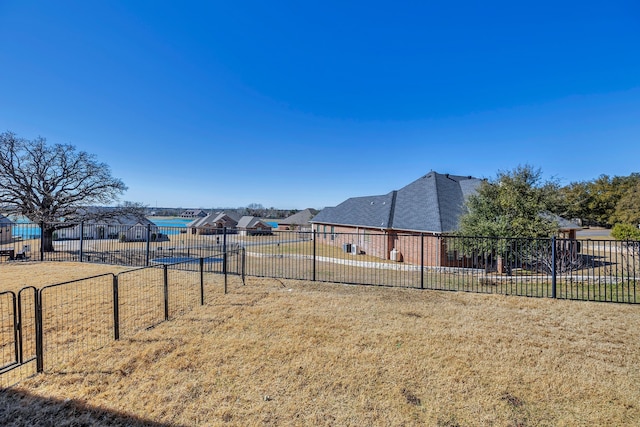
224	257
166	291
244	260
39	334
553	267
201	281
146	263
42	241
81	240
421	261
116	309
314	256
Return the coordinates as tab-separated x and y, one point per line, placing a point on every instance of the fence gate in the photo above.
18	333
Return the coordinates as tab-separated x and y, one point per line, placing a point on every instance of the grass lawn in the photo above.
280	352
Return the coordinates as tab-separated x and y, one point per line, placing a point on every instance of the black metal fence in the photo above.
594	270
42	329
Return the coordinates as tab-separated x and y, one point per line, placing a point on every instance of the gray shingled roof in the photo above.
563	224
249	221
4	221
432	203
299	218
210	220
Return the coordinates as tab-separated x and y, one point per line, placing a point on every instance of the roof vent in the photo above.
371	202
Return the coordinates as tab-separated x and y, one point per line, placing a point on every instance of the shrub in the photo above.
625	232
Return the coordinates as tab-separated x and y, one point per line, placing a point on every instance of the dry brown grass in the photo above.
17	275
301	353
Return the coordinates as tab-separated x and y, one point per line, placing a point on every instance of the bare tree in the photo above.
55	184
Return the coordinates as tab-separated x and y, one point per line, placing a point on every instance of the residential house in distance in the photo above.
386	226
213	223
299	221
252	226
131	228
6	227
193	213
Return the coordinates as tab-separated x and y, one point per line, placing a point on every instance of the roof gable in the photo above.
432	203
5	221
370	211
299	218
249	221
212	220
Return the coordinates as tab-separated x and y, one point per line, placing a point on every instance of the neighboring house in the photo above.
299	221
386	226
252	226
212	224
6	226
124	227
193	213
566	229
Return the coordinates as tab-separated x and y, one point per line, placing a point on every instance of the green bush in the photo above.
625	232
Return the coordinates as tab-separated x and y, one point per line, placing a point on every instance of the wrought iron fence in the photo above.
594	270
42	329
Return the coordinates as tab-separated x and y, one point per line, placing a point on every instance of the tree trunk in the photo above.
47	238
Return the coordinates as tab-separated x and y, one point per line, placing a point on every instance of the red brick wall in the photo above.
379	243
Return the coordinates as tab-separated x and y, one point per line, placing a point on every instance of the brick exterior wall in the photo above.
379	243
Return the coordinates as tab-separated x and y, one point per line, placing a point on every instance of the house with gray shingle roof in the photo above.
6	227
430	206
298	221
127	227
213	223
252	226
193	213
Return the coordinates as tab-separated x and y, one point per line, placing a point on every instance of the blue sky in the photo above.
303	104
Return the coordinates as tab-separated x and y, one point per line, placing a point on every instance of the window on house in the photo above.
333	235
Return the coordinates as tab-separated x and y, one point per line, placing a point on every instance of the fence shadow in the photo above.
20	408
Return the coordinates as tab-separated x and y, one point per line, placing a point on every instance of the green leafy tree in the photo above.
516	204
577	201
627	210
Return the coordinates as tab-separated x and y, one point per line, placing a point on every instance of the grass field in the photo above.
279	352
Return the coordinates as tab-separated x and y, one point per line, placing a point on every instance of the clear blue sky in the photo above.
304	103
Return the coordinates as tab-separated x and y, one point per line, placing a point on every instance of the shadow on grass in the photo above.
20	408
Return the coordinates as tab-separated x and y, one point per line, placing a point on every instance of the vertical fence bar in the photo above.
421	261
42	241
146	263
39	337
313	274
116	309
244	260
201	281
224	257
166	291
81	240
553	267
